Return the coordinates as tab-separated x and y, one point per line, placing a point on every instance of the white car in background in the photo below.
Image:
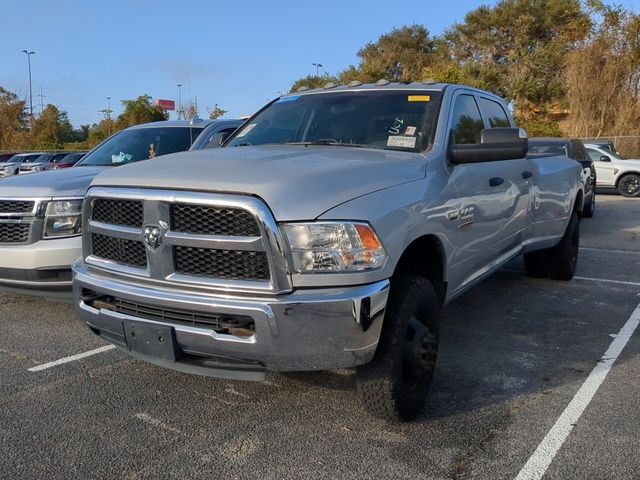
613	171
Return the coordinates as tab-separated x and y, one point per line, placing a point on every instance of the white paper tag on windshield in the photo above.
401	141
246	130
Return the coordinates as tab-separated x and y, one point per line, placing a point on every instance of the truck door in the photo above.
517	175
478	222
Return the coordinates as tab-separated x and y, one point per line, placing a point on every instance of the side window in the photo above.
467	122
494	113
594	155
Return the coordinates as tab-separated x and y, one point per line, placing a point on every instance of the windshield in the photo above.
137	144
393	120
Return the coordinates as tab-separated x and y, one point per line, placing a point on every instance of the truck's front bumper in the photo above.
42	268
306	330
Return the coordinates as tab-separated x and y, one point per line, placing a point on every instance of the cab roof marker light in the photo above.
354	83
330	85
430	81
382	82
303	89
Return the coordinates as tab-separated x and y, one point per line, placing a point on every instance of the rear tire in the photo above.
394	385
590	207
563	257
629	185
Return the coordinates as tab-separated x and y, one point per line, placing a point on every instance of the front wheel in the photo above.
395	383
629	185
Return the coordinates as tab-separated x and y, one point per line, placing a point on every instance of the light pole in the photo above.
109	113
29	53
179	100
318	67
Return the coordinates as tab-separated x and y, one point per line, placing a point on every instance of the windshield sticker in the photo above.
395	129
410	131
401	141
288	99
121	157
246	130
419	98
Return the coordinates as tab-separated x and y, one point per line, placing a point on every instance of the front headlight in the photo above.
63	219
7	168
333	247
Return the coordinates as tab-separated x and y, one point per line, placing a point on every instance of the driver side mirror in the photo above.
495	144
217	139
605	158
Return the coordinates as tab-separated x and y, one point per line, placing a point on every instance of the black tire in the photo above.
394	385
590	206
563	258
536	264
629	185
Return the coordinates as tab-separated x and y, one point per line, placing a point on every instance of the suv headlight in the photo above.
63	218
333	247
7	168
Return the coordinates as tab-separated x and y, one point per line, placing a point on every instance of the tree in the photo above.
400	55
603	76
217	112
140	110
518	48
51	129
312	81
13	118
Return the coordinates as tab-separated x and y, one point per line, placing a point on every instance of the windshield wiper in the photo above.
331	143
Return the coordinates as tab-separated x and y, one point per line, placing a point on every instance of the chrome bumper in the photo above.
306	330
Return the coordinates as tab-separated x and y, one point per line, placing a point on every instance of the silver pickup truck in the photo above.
326	233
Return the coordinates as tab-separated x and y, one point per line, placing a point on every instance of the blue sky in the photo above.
239	54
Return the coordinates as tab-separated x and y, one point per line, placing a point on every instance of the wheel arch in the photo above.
425	256
630	172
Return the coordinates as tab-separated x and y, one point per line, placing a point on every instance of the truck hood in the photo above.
69	182
296	182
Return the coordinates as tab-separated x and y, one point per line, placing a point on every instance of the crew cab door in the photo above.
604	170
493	198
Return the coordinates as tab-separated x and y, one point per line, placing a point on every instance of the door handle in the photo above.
495	181
526	174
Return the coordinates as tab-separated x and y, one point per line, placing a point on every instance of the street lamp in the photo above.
179	100
318	67
29	53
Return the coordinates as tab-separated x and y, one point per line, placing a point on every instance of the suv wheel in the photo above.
629	185
395	383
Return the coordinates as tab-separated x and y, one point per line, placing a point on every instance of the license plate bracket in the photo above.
152	340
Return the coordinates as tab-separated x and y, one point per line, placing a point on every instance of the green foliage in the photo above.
51	129
140	110
217	112
541	128
13	118
312	81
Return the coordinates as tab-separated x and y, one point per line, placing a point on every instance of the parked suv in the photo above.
40	222
327	232
12	166
615	172
66	161
572	148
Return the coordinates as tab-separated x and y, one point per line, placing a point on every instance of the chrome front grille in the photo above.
17	206
118	212
14	232
126	252
230	264
201	219
215	241
20	222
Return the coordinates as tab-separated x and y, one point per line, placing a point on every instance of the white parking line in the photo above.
72	358
539	462
609	250
605	280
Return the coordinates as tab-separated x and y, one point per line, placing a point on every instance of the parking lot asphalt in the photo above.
515	351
